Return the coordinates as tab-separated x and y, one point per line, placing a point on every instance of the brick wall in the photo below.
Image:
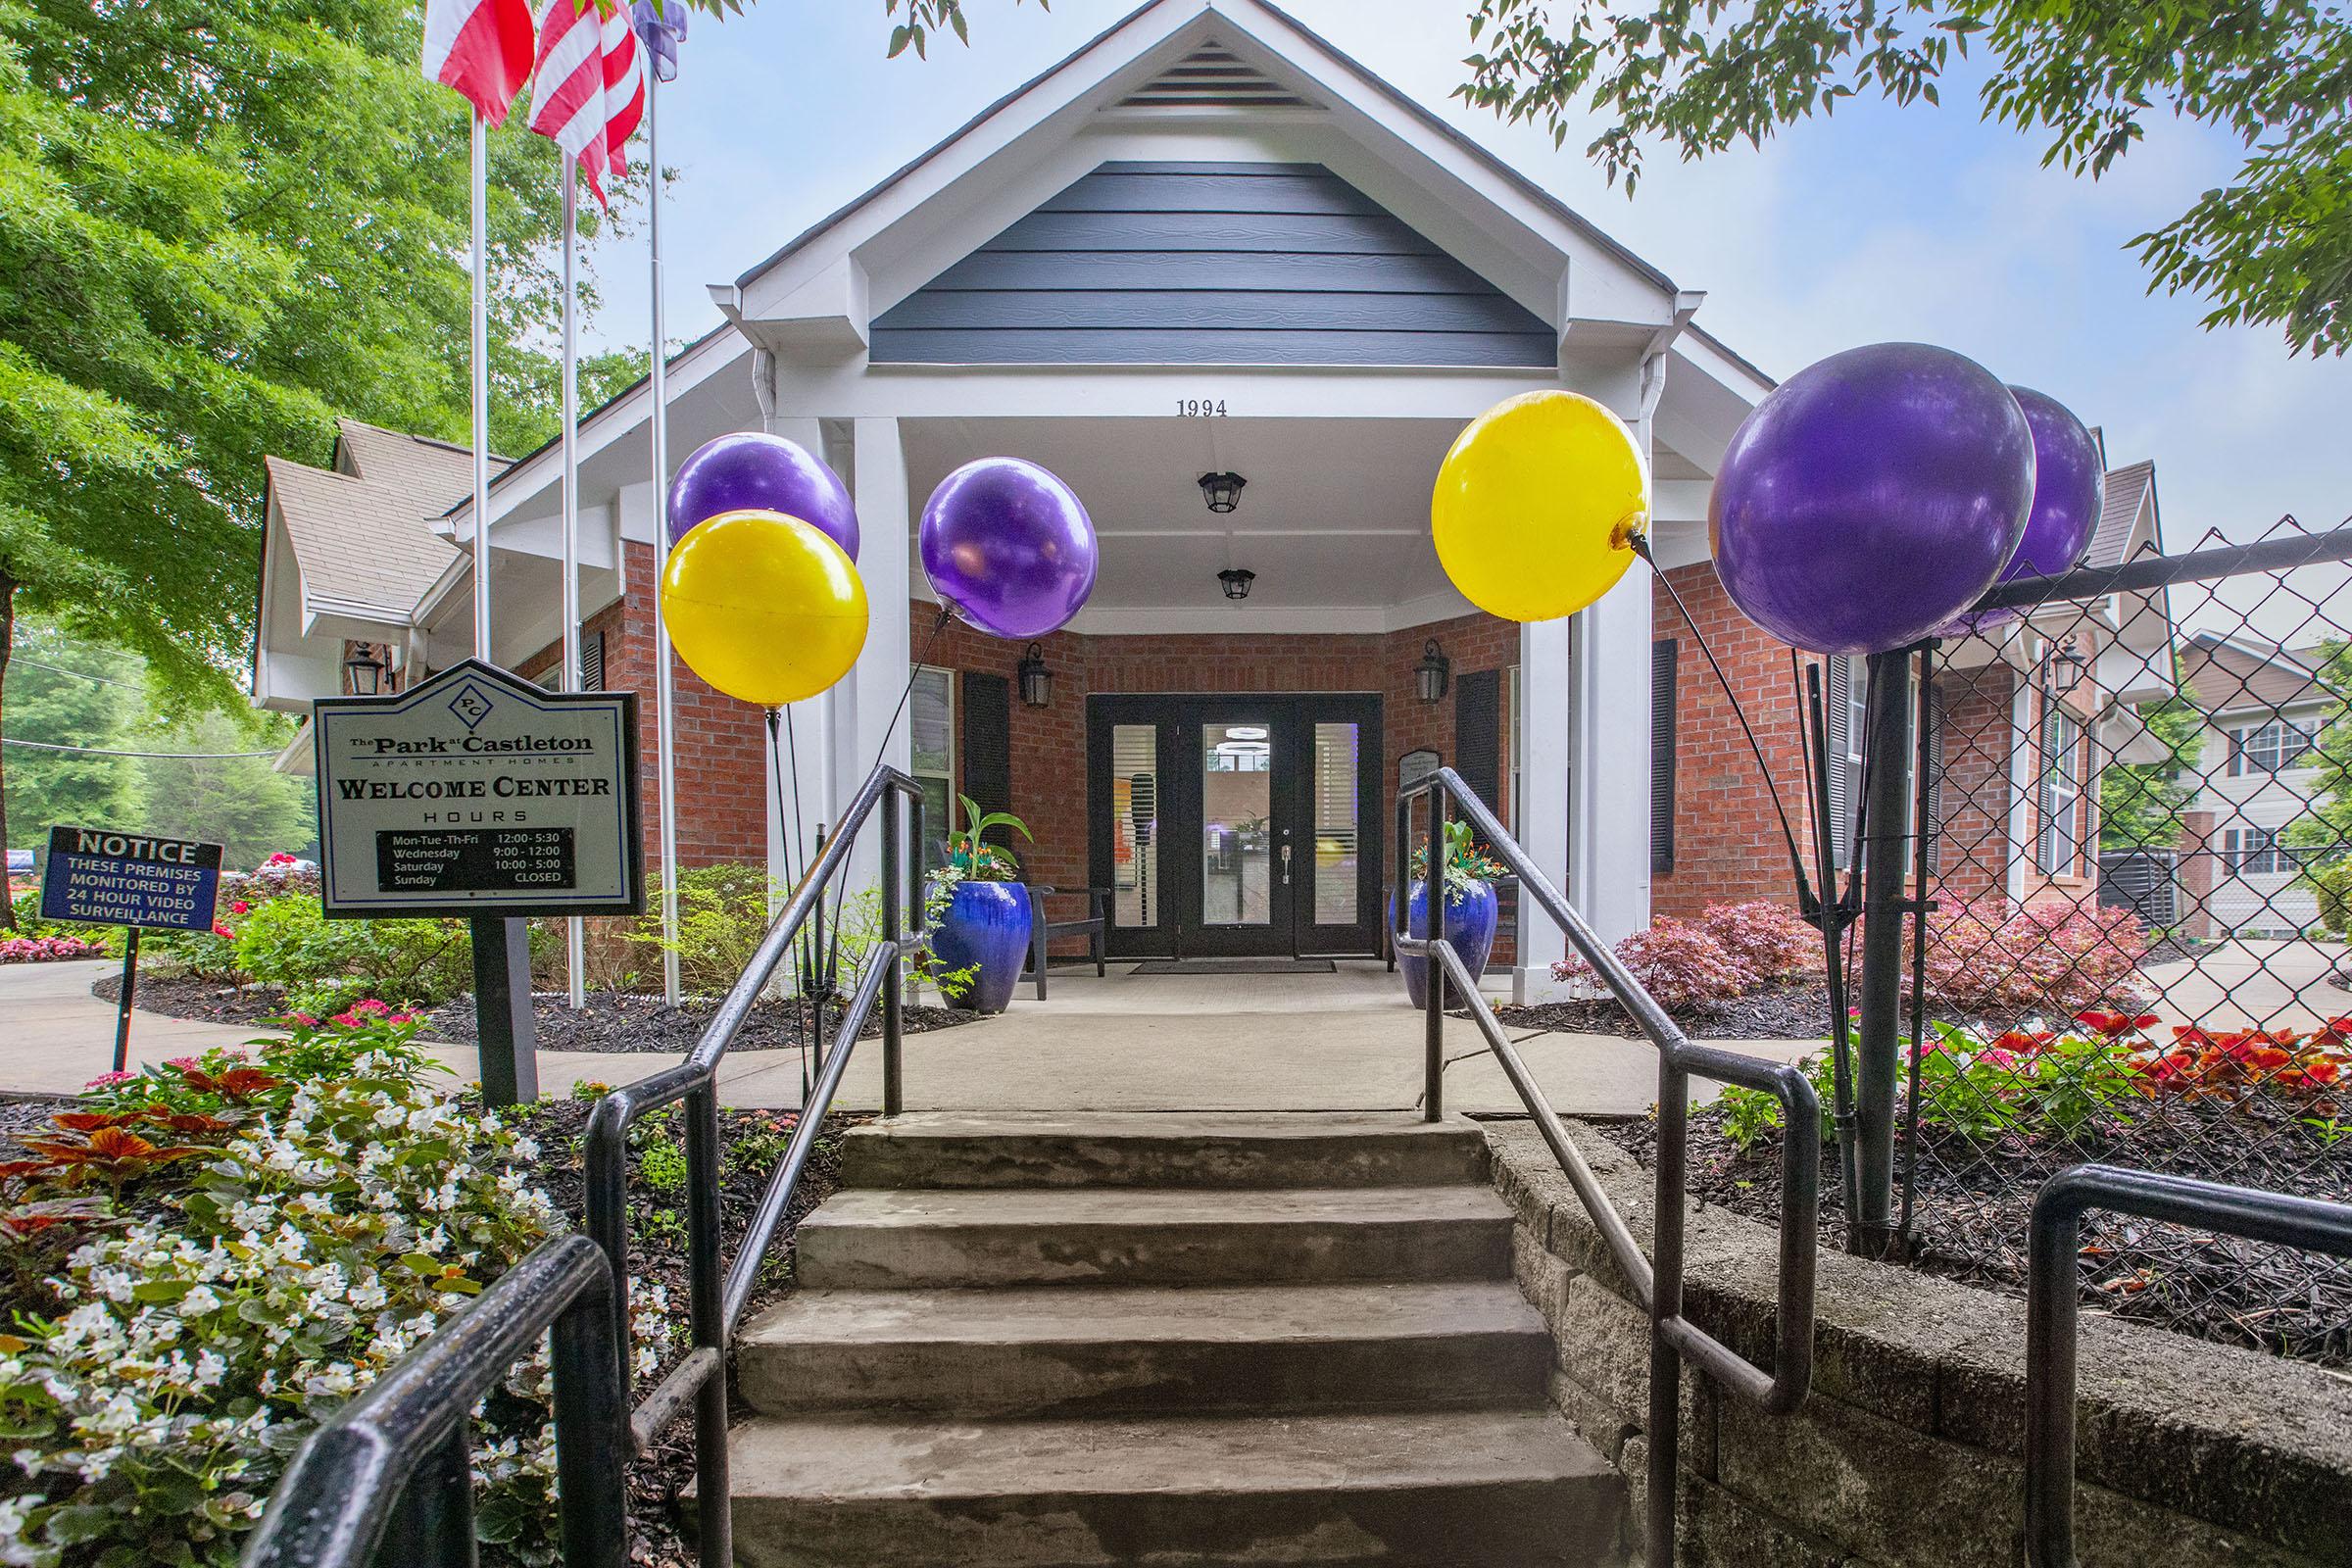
1728	846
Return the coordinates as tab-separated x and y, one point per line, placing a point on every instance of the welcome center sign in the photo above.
478	794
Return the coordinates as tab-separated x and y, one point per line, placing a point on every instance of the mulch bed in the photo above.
614	1021
1971	1207
658	1482
1797	1011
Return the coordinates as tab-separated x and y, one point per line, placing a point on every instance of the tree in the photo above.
2140	803
222	222
221	796
2274	246
67	693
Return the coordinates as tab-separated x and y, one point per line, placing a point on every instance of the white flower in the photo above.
200	1302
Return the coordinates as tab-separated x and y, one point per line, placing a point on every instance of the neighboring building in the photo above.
2029	712
1206	242
2264	708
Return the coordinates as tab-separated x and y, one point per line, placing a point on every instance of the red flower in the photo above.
224	932
240	906
281	857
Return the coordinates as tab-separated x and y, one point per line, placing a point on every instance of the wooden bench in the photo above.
1042	931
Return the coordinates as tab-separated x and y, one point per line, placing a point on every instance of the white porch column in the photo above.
1608	839
1549	697
864	705
811	736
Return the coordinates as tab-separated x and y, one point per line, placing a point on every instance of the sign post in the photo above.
480	797
96	876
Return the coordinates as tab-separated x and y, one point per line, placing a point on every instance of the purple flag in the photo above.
663	27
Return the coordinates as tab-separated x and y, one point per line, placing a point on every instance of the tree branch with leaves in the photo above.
2271	247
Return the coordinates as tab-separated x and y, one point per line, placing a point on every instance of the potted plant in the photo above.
1470	875
983	924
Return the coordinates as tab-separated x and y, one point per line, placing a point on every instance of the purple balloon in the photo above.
752	472
1007	547
2070	484
1872	498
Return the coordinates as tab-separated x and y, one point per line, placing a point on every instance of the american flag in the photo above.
482	48
590	89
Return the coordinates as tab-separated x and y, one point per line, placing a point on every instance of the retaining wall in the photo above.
1908	1451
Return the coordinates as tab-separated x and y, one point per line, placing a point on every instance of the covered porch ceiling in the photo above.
1334	519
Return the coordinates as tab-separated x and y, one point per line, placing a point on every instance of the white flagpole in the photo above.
481	390
575	947
665	686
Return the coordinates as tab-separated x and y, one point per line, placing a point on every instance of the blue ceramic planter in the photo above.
986	925
1469	926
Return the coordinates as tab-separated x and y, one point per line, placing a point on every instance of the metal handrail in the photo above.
1657	1281
392	1467
2053	1305
718	1294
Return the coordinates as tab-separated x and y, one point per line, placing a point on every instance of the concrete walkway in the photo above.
1346	1040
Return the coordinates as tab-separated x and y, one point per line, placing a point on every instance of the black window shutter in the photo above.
1478	733
987	740
592	662
1836	677
1663	657
1933	826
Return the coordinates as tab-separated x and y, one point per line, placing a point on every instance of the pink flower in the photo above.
402	1017
281	857
371	1004
182	1061
224	932
302	1020
344	1020
240	906
107	1080
1996	1057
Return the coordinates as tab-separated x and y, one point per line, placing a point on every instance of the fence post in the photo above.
1879	1057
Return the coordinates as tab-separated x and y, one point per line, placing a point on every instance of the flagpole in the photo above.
575	946
481	390
665	685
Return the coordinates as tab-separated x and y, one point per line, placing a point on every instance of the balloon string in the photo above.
1796	863
786	829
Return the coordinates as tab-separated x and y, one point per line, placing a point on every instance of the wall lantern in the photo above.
2067	667
1223	491
1037	681
1431	674
364	672
1236	581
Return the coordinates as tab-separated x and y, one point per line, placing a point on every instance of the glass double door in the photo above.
1236	825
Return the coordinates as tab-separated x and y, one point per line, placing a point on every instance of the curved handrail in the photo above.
393	1463
1658	1280
2053	1303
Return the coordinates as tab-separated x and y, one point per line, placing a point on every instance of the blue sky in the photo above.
1880	224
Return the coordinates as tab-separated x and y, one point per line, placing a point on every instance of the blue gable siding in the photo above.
1211	263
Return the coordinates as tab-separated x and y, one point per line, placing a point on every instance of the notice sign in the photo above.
102	877
479	794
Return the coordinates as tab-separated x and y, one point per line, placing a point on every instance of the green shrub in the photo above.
722	914
325	966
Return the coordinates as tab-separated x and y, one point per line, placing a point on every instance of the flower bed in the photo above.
1998	1115
204	1260
47	949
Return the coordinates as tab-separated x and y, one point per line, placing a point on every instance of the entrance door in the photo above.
1236	825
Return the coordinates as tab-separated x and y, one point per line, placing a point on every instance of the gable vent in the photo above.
1214	76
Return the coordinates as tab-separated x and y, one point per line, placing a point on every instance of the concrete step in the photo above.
1044	1350
1492	1487
884	1239
1164	1148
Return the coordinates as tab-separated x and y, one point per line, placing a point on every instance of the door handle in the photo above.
1286	865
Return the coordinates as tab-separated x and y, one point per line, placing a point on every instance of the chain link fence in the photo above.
2138	825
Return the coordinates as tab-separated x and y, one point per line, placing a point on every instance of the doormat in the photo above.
1182	966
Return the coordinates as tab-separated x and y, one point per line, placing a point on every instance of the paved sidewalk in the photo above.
1339	1042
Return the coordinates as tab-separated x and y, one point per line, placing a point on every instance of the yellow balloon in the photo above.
764	606
1537	506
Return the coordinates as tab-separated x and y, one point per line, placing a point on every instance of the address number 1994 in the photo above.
1201	407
